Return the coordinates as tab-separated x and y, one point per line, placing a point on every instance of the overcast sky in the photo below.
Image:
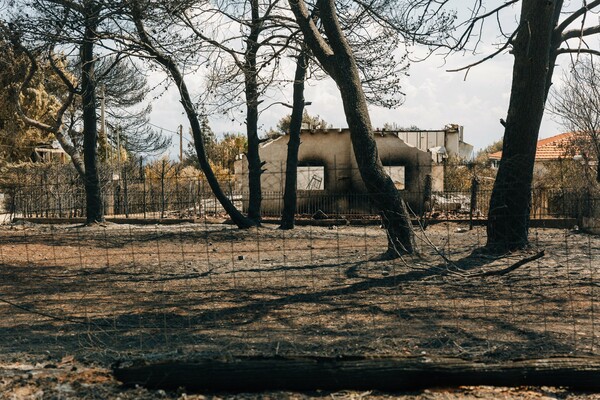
434	98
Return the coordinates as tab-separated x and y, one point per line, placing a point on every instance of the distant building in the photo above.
328	175
442	143
562	146
51	152
568	146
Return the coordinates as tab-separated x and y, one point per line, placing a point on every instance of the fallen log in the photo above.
254	374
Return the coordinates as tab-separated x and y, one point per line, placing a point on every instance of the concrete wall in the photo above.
423	140
394	152
328	149
343	189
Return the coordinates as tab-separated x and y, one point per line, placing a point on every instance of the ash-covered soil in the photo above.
76	299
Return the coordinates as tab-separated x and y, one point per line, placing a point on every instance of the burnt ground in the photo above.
74	300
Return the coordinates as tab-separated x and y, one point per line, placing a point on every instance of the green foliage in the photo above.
210	141
283	126
459	174
565	174
221	152
483	155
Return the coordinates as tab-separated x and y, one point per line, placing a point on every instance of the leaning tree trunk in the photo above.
510	204
291	167
379	185
236	216
94	212
336	57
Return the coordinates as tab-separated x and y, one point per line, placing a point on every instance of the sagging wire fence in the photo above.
204	289
210	290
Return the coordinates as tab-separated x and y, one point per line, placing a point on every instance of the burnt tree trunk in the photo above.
236	216
258	374
336	57
533	49
94	212
291	166
379	185
251	85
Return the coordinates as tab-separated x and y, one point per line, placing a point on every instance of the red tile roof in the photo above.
551	148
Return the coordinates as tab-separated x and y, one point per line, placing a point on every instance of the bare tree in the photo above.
76	27
291	177
577	103
247	39
247	65
83	31
125	89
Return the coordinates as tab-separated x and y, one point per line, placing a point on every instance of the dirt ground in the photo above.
76	299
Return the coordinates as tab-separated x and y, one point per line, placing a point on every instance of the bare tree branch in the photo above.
578	51
488	57
580	33
576	14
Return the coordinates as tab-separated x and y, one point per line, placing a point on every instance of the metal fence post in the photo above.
473	205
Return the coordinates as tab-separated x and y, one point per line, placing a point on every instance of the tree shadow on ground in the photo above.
368	317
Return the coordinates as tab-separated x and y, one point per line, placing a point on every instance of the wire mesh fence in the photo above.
126	291
119	291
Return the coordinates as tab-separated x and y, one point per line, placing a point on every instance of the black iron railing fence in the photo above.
172	192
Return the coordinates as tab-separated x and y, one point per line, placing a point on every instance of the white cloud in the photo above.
434	98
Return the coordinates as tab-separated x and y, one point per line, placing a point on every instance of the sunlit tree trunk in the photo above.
510	204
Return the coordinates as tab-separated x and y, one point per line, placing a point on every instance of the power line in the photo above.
151	124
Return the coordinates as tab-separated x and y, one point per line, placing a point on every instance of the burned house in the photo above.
49	152
328	175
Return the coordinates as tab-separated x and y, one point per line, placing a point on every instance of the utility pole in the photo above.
180	143
103	136
118	130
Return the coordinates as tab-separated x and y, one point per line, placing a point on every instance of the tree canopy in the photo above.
17	139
